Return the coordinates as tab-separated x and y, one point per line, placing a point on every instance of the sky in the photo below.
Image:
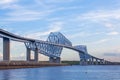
94	23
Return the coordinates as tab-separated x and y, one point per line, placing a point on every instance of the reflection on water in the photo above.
63	73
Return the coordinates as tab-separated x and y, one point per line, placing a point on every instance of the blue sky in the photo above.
95	23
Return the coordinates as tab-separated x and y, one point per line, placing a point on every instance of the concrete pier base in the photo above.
54	60
29	55
6	49
36	55
96	62
83	62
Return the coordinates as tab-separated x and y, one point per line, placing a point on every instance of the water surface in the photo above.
63	73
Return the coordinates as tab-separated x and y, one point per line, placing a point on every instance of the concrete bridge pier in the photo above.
83	62
6	49
101	61
96	62
91	61
36	55
106	62
54	59
87	61
29	55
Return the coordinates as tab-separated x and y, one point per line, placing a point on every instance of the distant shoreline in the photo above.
78	63
25	64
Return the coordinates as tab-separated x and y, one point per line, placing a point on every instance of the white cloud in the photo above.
18	12
80	34
30	15
8	4
48	4
54	1
1	55
6	28
99	41
101	15
22	54
107	18
66	8
22	13
26	15
43	57
7	1
53	27
113	33
111	54
109	25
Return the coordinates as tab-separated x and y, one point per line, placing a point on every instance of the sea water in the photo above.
94	72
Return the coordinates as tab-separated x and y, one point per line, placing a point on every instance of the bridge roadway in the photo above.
6	34
35	45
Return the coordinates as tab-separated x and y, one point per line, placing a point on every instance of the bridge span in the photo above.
52	48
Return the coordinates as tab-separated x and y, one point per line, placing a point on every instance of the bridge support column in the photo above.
83	62
36	55
87	61
54	60
92	61
96	62
101	61
28	56
106	62
6	49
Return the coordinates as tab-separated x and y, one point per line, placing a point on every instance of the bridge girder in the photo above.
44	48
58	38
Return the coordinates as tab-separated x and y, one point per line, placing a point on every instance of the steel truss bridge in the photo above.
52	48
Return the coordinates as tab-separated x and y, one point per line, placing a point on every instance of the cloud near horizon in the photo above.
112	54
